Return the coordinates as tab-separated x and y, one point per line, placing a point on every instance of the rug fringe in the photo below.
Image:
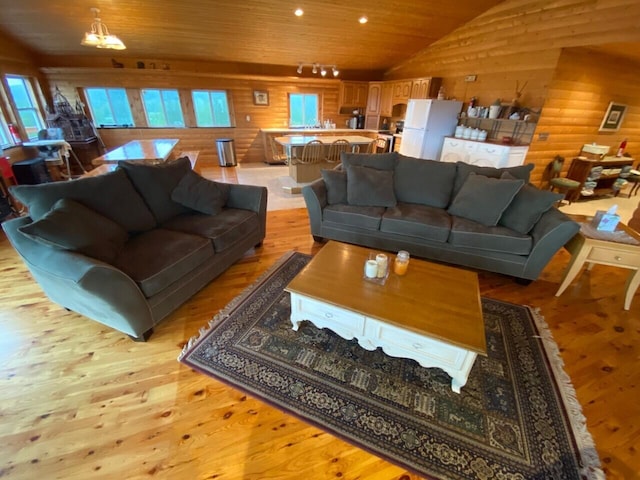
591	466
226	311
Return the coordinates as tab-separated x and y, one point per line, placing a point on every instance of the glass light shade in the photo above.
90	40
112	42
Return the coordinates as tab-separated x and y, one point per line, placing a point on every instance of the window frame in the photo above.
35	106
164	109
209	93
304	123
112	110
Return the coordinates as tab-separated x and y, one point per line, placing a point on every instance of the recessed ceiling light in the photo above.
363	19
299	12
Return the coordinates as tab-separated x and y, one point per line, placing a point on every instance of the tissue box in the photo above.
605	222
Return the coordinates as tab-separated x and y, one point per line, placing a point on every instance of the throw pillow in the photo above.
200	194
69	225
527	207
521	172
336	183
112	195
156	183
369	187
379	161
425	182
483	199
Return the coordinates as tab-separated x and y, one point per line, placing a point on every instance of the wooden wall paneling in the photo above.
584	83
246	133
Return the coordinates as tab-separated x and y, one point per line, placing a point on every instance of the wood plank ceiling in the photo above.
249	31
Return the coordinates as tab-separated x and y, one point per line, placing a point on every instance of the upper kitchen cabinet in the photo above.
425	87
386	99
401	91
353	94
373	102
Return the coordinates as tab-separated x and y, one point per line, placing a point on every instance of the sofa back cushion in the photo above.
111	195
156	183
368	187
379	161
521	172
425	182
69	225
336	184
200	194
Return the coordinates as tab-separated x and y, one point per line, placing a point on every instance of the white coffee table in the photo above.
432	315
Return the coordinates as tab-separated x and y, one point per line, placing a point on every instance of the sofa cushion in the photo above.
467	233
420	221
379	161
111	195
336	183
156	183
369	187
69	225
527	207
361	217
463	170
224	229
160	257
198	193
425	182
483	199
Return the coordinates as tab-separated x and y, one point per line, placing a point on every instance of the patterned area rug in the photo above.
516	418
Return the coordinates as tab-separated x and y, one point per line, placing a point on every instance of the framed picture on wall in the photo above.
613	118
260	97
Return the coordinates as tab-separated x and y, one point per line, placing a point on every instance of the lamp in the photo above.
99	35
318	68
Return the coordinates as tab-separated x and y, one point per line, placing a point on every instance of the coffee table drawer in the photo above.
427	351
614	257
341	321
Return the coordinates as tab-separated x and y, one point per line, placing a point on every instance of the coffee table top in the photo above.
439	301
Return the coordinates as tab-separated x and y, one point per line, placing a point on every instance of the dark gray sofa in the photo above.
478	217
129	247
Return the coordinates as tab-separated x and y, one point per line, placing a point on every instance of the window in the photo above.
303	109
5	141
211	108
26	104
162	108
109	106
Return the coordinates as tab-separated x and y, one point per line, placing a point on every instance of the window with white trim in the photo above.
26	105
303	109
211	108
5	136
109	107
162	108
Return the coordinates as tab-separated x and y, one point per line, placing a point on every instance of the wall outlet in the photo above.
543	136
248	118
470	78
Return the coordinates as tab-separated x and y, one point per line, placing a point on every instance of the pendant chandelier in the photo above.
99	35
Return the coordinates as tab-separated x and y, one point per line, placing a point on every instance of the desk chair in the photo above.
564	185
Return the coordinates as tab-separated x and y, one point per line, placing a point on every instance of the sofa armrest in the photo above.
315	197
83	284
250	197
550	234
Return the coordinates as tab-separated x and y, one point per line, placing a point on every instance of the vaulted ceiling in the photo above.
250	31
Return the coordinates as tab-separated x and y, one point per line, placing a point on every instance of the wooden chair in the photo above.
313	152
564	185
336	148
278	155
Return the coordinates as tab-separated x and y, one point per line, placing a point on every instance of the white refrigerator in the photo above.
426	124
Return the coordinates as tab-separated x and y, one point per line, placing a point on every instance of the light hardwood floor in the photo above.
79	400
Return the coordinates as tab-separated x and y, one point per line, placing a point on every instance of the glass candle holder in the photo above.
401	263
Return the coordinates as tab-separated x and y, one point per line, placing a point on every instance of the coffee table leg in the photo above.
632	285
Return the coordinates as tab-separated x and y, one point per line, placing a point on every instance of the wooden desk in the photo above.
581	167
584	248
152	151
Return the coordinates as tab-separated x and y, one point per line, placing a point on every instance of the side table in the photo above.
619	249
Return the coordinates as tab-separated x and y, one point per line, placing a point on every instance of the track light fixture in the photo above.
318	68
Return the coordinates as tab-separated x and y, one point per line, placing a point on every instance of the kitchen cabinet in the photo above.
386	99
580	170
484	154
374	97
425	87
353	94
401	91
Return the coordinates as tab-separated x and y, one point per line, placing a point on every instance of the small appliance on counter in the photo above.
399	126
